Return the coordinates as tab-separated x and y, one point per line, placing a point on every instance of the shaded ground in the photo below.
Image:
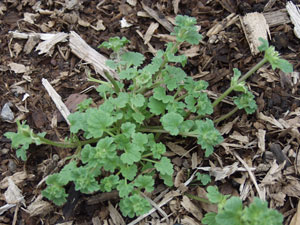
276	94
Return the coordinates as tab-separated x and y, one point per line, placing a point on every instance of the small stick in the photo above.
57	100
252	177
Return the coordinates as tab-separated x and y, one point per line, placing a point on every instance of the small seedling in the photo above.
232	212
116	142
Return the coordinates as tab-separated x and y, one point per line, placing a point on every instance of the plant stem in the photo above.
181	97
253	69
112	80
204	200
149	160
162	66
165	132
98	81
66	144
227	115
147	155
243	78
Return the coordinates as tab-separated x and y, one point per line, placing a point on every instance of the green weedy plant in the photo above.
116	143
232	212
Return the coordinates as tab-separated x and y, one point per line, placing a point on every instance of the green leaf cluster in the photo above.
273	57
118	144
232	212
23	138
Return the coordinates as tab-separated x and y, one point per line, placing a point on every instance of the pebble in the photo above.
12	165
4	151
6	113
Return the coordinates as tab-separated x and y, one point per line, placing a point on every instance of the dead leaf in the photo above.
176	6
279	198
296	218
186	220
13	194
178	149
255	26
45	46
30	17
131	2
191	52
191	208
99	26
72	101
83	23
241	138
39	207
179	179
17	48
222	173
261	140
17	178
151	29
124	23
2	8
207	207
18	68
31	42
194	160
270	120
275	173
115	215
292	189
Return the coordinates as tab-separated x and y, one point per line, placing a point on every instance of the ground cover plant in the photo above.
117	143
232	212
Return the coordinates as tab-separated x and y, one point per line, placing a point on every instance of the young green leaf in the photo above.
168	179
238	86
204	178
84	105
258	213
204	105
185	30
158	149
164	166
160	94
132	58
191	103
55	193
97	122
182	59
208	135
145	182
128	129
156	107
128	171
134	204
231	215
173	76
84	179
132	154
139	139
273	57
104	150
210	219
171	122
128	74
138	117
124	188
137	100
214	196
246	101
114	43
121	101
109	183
